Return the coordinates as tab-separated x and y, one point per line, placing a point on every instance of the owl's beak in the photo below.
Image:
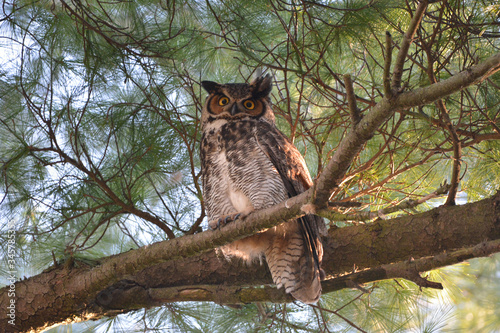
234	109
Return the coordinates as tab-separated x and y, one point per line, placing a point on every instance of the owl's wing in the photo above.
293	172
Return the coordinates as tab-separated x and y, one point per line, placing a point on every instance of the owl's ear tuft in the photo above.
261	86
210	87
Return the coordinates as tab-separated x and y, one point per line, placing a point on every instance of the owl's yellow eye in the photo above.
249	105
223	101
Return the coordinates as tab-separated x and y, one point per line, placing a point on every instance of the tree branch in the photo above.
457	82
405	45
351	100
123	294
364	216
379	250
410	269
387	65
352	143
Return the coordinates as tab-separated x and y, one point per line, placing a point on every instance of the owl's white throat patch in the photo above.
215	125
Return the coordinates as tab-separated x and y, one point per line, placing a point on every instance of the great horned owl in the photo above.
248	164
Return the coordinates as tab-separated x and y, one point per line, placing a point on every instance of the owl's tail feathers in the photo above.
295	263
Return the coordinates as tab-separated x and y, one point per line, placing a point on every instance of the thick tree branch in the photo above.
63	292
130	295
412	268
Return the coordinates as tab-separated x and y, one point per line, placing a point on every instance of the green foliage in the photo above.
99	125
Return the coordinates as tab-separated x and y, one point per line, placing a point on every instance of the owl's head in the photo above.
234	101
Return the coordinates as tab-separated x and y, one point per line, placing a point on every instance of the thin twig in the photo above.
445	116
365	216
340	316
457	153
347	204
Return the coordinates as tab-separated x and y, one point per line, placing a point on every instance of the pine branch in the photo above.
387	66
129	294
379	250
405	45
457	82
352	143
365	216
351	100
411	269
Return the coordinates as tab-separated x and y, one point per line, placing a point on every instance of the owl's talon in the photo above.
223	220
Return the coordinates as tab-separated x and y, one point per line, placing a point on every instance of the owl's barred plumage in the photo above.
248	164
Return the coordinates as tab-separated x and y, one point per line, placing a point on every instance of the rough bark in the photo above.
62	293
